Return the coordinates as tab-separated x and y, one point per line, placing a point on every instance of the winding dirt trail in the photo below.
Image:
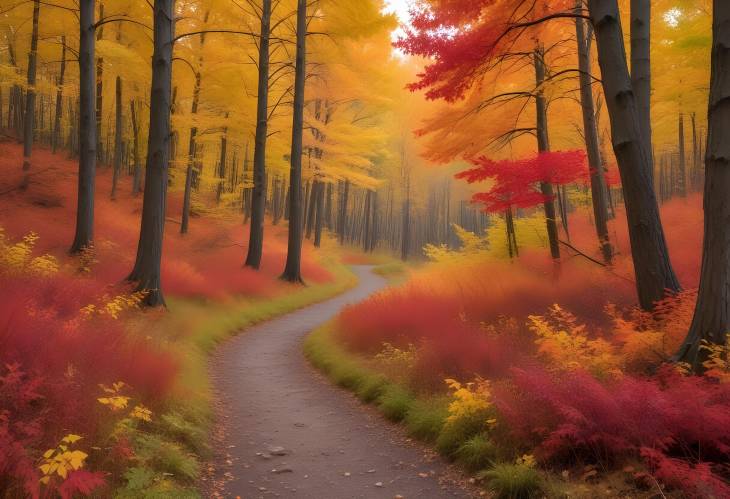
287	432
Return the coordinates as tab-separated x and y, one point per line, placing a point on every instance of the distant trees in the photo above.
28	121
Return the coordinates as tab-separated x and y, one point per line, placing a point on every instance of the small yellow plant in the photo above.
114	400
62	459
115	306
393	356
718	361
469	399
18	257
142	413
526	460
566	344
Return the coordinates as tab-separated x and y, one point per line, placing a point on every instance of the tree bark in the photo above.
28	121
543	145
117	136
59	99
222	164
711	321
292	270
652	266
342	216
258	193
84	236
590	132
319	215
137	178
682	151
99	89
146	271
641	69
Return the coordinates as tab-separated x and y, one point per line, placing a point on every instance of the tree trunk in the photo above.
84	236
590	132
653	269
59	99
222	164
28	121
543	145
319	216
146	272
711	321
117	136
342	216
258	193
682	173
99	89
137	179
292	270
641	70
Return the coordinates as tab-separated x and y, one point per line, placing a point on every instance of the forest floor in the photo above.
288	432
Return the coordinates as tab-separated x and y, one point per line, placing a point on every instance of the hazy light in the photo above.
672	17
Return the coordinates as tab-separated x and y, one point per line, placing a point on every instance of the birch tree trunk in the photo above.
652	266
711	321
292	270
84	236
146	271
258	193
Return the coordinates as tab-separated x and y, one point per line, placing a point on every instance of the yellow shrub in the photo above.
718	361
469	399
62	459
18	258
566	346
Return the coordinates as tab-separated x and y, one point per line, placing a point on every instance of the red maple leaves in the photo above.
516	183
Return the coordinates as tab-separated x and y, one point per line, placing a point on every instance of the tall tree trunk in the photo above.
146	271
258	193
342	216
137	178
543	145
117	136
59	99
682	180
31	92
192	156
222	164
652	266
590	132
84	236
292	270
99	89
641	70
711	321
319	215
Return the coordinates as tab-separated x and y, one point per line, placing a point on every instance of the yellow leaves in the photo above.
18	258
527	460
469	399
115	400
718	361
566	345
114	307
61	460
141	412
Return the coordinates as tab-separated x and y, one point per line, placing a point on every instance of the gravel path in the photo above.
286	432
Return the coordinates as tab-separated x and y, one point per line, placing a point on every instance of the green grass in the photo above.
477	453
170	451
514	481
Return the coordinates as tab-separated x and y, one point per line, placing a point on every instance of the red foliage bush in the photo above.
662	419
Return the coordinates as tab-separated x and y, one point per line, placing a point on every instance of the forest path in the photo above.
287	432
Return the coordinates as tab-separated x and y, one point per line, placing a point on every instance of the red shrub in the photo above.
569	415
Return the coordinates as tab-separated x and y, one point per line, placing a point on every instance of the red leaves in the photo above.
80	482
463	37
516	183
